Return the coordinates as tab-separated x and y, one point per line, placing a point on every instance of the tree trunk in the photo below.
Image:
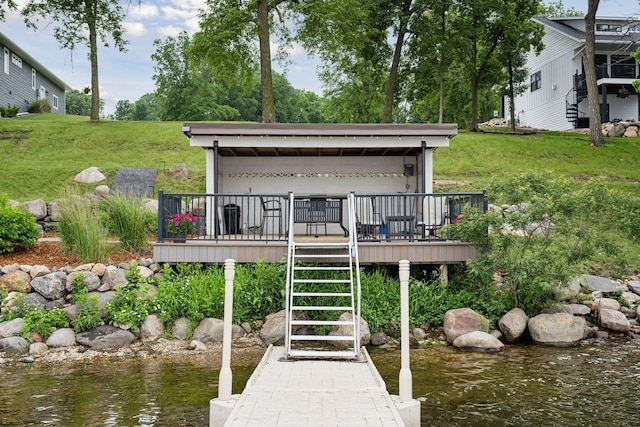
266	81
474	77
512	107
392	81
95	87
588	59
443	27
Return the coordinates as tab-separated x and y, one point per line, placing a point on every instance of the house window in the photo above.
33	78
6	60
55	102
536	81
16	60
43	93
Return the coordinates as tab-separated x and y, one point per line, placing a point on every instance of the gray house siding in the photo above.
16	84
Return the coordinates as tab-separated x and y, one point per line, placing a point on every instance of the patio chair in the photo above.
367	219
317	214
433	215
271	209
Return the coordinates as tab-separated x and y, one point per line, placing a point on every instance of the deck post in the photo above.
408	407
406	384
220	408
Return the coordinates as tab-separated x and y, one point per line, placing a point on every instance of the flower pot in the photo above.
179	237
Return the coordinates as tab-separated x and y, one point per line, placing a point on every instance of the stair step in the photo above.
321	294
321	338
323	354
322	322
321	308
322	256
321	245
337	268
321	281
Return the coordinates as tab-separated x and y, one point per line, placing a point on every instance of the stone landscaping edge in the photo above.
585	313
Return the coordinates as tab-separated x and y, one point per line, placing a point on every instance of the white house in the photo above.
557	98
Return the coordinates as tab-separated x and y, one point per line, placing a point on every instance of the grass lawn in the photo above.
42	154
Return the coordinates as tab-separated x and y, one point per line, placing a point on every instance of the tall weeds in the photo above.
79	229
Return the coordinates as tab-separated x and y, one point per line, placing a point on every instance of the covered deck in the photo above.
263	177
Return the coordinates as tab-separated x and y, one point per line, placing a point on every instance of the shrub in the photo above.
132	303
40	106
43	322
127	217
17	227
88	315
9	111
80	230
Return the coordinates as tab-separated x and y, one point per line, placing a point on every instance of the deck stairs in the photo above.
323	283
574	97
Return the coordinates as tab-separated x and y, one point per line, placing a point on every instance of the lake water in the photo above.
597	383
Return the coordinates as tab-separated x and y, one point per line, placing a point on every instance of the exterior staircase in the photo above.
574	97
323	283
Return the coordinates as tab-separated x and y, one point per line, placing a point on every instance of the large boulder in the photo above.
513	324
113	277
52	286
180	328
38	208
347	330
16	280
90	175
179	171
460	321
63	337
91	280
103	299
273	330
558	329
607	304
600	284
38	271
11	327
478	341
634	286
105	337
614	320
152	328
209	330
14	346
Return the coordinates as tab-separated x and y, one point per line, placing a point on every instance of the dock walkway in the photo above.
319	393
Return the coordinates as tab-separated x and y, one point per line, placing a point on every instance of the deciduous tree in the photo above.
589	62
86	22
228	33
6	5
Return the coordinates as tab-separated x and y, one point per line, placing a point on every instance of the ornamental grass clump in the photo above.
126	217
80	230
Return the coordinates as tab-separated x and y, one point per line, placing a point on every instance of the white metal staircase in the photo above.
323	282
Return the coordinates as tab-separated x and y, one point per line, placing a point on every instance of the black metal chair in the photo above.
317	214
271	209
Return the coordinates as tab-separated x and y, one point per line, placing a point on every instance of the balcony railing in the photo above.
265	217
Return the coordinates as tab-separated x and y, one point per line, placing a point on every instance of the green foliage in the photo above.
80	229
9	111
88	315
190	291
126	216
546	240
132	303
40	106
258	290
43	322
17	227
78	103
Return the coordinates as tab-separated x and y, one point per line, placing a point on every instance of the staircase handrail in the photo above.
353	244
290	251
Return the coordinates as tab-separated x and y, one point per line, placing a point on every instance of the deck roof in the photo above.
280	139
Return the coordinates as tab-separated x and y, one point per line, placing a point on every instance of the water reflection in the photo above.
594	384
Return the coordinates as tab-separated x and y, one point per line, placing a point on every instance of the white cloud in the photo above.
143	11
170	31
135	29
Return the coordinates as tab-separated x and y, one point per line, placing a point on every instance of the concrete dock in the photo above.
319	393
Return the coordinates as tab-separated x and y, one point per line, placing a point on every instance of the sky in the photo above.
128	76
